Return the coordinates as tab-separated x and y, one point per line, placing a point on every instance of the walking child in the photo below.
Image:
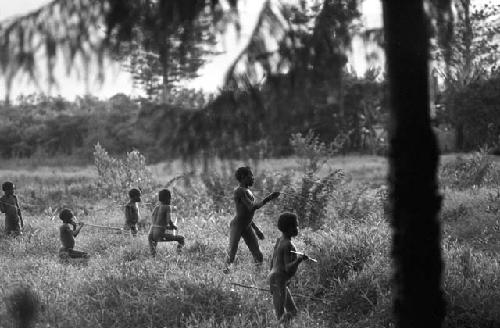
242	225
161	222
132	215
284	265
67	233
9	205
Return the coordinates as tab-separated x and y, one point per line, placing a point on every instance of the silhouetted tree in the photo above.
413	161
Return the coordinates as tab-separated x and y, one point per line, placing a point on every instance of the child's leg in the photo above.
253	244
152	245
63	253
134	229
234	239
77	254
12	227
169	237
278	290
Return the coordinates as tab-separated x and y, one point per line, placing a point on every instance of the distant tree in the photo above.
159	54
471	54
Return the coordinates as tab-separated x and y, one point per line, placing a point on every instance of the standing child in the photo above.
284	264
161	222
132	211
9	206
242	225
67	233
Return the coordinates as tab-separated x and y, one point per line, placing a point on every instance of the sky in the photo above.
119	81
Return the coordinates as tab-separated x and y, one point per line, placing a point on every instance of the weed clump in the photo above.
116	176
464	173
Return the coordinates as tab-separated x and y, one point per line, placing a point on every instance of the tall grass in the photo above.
122	286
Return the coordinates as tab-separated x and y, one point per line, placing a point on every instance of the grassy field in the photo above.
122	286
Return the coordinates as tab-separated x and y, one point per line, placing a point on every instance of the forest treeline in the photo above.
260	117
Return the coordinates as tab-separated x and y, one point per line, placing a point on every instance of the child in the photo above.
9	206
283	267
132	211
67	233
161	222
242	224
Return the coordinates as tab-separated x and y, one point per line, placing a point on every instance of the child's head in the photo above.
287	223
135	195
164	196
66	216
244	175
8	187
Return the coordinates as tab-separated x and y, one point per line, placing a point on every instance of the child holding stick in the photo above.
284	265
68	231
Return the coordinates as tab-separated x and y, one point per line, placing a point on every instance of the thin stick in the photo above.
250	287
267	290
309	258
101	226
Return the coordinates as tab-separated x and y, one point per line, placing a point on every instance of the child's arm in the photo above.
19	213
274	254
170	223
258	232
291	261
243	197
270	197
77	230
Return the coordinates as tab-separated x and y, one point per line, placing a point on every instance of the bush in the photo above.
312	153
309	199
474	110
465	173
117	176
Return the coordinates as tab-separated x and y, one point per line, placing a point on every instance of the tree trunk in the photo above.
413	160
468	36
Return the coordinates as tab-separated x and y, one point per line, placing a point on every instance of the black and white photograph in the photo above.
250	163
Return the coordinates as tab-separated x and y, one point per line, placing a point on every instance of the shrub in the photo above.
465	173
312	153
309	199
117	176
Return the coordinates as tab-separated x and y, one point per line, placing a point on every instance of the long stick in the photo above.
267	290
250	287
101	226
309	258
